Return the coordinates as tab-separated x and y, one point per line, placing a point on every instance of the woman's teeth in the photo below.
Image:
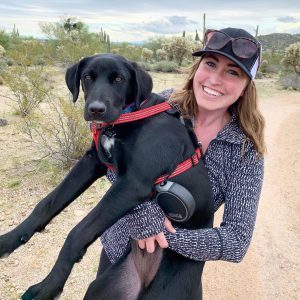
211	92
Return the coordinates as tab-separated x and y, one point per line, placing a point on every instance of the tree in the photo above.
147	54
70	40
178	48
161	54
292	57
72	23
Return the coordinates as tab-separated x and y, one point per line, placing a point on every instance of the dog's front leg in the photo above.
84	173
123	196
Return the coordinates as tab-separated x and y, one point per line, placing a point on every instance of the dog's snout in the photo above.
96	108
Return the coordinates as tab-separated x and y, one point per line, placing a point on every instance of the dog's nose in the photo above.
96	108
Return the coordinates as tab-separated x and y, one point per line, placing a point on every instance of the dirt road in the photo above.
271	269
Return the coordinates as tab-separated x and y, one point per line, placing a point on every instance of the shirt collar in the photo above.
232	132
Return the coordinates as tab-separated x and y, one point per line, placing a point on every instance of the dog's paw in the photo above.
42	291
9	242
6	246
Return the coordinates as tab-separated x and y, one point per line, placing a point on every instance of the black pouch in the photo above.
175	200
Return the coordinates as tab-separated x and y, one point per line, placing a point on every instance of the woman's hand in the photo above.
149	244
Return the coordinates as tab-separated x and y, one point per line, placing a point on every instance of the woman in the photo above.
220	98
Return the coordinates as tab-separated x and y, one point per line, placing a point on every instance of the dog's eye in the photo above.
87	77
119	79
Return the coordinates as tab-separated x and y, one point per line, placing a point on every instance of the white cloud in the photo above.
138	20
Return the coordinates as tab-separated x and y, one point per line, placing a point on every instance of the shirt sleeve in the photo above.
231	240
143	221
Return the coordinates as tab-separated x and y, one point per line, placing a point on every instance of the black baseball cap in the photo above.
248	64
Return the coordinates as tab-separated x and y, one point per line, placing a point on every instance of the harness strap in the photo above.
136	115
182	167
142	114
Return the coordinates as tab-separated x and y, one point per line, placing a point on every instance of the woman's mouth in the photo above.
211	92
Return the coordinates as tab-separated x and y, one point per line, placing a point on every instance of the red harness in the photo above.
142	114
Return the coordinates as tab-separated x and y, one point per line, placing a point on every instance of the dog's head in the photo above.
109	83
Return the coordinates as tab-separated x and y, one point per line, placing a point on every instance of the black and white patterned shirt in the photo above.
236	181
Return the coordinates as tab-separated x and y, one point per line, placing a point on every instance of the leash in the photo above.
139	115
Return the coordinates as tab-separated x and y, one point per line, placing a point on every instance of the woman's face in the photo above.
218	82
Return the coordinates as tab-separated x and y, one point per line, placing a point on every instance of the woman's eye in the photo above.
87	77
233	72
211	64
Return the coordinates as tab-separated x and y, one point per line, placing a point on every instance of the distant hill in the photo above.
278	41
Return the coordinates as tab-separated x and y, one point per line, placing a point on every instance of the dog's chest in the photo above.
107	141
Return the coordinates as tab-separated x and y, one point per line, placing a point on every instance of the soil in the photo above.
271	268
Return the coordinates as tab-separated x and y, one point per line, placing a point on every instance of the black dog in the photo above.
140	152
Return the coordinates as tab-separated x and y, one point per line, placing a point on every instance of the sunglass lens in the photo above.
244	48
216	40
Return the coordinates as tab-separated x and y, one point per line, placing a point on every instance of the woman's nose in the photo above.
216	77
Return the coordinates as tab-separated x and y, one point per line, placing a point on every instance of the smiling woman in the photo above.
219	96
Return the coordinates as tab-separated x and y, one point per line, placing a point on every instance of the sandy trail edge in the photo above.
271	267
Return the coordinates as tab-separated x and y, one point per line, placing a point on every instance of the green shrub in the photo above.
147	54
161	54
4	39
290	81
29	52
146	66
271	63
165	66
292	57
28	86
2	51
59	131
69	40
131	52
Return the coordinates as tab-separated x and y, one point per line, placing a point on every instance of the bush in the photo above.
290	81
127	50
179	48
59	131
147	54
69	40
4	39
165	66
292	57
2	51
146	66
30	52
161	54
28	86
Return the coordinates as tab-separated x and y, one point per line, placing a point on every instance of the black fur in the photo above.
142	151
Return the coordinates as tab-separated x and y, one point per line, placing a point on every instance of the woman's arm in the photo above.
231	240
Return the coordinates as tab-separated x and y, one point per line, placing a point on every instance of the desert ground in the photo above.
271	268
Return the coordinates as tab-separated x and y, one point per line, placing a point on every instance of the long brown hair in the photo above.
246	108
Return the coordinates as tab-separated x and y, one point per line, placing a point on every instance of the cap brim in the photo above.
239	64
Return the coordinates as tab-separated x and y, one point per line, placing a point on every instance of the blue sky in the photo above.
126	20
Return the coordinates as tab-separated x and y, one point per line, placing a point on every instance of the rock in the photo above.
3	122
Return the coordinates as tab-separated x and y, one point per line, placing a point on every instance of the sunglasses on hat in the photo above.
242	47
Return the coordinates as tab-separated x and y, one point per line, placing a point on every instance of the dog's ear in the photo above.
142	84
73	76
